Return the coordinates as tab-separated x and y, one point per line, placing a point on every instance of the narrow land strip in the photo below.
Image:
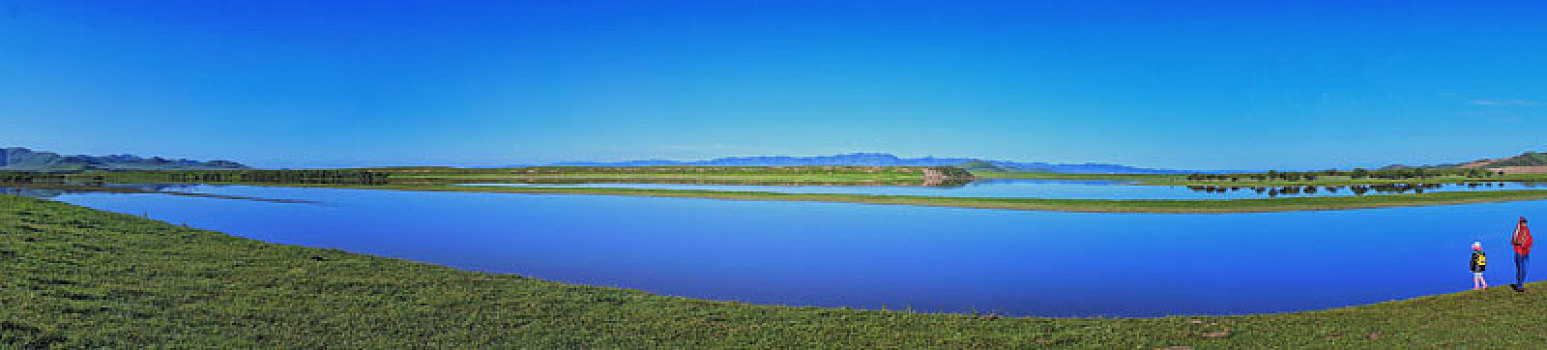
1255	205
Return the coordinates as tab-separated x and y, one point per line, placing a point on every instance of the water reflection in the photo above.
46	191
51	191
1357	190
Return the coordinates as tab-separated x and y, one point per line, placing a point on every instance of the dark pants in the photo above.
1520	268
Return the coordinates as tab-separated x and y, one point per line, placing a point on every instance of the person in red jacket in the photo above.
1522	242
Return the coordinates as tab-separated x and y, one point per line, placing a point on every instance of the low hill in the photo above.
1528	162
883	159
1524	159
23	159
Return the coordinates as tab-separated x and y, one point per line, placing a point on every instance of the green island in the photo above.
78	277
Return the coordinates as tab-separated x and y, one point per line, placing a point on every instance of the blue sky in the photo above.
1186	85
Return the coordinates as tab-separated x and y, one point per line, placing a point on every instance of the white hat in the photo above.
1477	245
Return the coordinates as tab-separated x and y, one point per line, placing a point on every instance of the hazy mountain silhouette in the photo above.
18	158
883	159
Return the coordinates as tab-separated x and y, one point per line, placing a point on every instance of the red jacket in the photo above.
1522	240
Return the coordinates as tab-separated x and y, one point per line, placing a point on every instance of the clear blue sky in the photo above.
1188	85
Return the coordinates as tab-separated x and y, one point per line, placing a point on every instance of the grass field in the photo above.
1074	176
750	179
76	277
794	175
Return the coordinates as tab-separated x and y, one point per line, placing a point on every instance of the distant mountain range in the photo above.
1529	162
883	159
18	158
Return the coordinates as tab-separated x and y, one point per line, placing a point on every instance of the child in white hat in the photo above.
1479	263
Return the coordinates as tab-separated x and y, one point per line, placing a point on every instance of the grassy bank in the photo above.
76	277
780	175
857	179
858	175
1087	177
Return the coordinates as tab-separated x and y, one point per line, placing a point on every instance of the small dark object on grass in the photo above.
320	258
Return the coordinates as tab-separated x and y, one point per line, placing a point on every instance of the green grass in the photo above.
802	175
752	175
76	278
1075	176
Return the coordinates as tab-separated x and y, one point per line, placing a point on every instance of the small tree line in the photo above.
952	172
1357	173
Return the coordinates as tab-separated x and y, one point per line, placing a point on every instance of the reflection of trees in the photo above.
151	187
946	182
42	193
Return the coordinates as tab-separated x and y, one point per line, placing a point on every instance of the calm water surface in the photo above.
1066	189
875	256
